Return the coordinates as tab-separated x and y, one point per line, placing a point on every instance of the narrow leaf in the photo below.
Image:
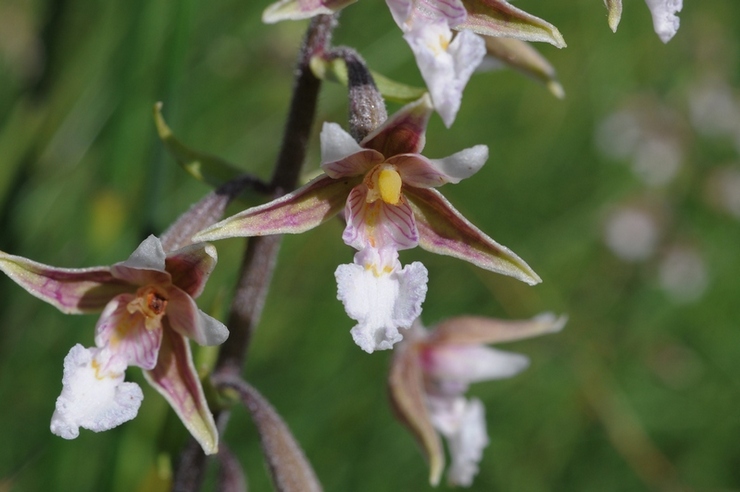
443	230
202	166
289	468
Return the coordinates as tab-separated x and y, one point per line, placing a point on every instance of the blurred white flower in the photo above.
631	234
618	134
657	160
713	109
683	274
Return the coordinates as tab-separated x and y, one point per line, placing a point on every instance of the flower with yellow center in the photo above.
386	188
148	312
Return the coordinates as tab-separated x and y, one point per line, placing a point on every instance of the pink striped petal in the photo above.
341	156
191	266
126	335
176	380
185	318
402	133
500	19
71	290
418	171
296	212
443	230
378	225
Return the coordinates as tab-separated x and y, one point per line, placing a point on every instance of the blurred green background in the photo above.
624	197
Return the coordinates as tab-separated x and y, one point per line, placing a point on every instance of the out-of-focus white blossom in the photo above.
657	160
683	274
631	233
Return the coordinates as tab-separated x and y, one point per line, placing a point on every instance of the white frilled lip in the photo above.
94	395
381	296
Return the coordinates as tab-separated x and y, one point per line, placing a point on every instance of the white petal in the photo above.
336	143
445	66
472	363
400	10
381	300
467	444
665	21
462	164
94	395
149	255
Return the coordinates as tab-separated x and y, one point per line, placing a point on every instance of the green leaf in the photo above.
336	71
202	166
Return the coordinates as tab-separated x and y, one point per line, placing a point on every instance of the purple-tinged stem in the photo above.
261	252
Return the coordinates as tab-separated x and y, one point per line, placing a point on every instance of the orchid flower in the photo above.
387	190
430	373
446	63
148	313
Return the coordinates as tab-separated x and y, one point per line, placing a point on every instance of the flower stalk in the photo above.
261	252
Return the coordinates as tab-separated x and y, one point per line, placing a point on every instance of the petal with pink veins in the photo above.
126	335
443	230
296	212
499	18
378	224
176	380
71	290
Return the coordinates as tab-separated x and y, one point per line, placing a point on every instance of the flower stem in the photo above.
261	252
